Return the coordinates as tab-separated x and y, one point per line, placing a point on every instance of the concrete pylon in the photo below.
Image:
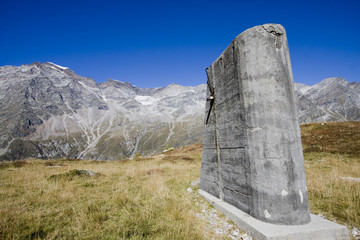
252	152
253	166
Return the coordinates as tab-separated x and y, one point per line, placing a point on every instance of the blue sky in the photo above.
156	43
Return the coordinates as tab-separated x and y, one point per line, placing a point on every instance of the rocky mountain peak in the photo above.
333	99
56	66
125	86
331	82
116	83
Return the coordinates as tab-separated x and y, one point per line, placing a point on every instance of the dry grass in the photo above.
337	199
332	151
142	199
332	137
146	198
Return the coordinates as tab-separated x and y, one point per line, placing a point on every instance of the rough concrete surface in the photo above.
317	229
252	152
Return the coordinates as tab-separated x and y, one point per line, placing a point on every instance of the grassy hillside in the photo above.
332	156
332	137
141	198
147	198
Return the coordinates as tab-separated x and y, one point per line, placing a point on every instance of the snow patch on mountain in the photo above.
145	100
61	67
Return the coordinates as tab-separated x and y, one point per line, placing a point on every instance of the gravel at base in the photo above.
218	223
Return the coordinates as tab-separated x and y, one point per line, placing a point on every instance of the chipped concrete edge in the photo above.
318	228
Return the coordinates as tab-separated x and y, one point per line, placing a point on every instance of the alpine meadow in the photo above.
149	197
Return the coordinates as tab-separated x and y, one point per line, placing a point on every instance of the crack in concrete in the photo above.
277	34
238	192
219	170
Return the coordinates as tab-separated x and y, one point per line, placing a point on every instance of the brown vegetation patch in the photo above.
177	158
332	137
172	159
74	159
5	165
144	159
19	164
98	161
70	175
195	148
122	161
155	171
187	159
16	164
53	164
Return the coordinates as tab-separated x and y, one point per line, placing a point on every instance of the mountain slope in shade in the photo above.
48	111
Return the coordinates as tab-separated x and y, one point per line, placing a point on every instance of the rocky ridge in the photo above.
333	99
48	111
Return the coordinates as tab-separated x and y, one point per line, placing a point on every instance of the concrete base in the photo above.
317	229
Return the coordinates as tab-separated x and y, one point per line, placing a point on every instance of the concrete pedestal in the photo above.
317	229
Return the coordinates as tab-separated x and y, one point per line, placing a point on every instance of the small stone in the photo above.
189	190
245	237
88	172
351	179
195	183
355	232
235	233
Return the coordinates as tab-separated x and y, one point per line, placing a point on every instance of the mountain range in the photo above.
48	111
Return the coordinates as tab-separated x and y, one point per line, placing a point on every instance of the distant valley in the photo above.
48	111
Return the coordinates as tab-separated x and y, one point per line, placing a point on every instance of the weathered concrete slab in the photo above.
252	155
317	229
